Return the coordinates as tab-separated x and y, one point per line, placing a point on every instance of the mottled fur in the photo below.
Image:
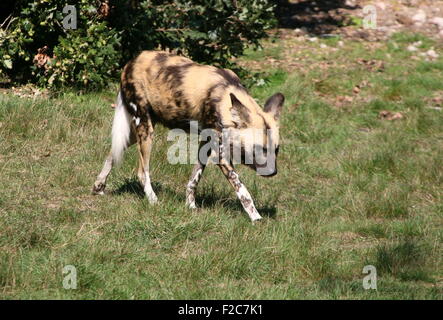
158	87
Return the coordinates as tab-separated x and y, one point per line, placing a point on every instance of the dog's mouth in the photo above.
263	170
270	175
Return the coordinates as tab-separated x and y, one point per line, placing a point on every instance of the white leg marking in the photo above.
100	183
148	189
247	202
245	197
190	188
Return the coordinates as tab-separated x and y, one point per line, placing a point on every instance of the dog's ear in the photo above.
240	114
274	105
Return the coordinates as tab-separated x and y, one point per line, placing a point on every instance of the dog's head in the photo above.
255	140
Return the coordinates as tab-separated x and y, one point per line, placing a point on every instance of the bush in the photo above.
35	47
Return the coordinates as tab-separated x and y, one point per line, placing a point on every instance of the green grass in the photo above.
352	190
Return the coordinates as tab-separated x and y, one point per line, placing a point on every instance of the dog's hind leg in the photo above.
123	136
100	182
145	133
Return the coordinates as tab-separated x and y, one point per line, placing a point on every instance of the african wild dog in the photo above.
159	87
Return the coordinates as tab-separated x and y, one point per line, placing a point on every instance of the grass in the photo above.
352	190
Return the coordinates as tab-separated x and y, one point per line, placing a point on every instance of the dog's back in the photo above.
175	90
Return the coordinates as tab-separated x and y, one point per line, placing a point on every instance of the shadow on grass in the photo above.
407	260
206	200
133	186
319	17
214	199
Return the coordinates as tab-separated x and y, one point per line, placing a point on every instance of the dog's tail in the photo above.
121	130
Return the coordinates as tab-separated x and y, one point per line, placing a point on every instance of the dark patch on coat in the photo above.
127	87
161	58
174	74
230	78
210	110
180	100
130	94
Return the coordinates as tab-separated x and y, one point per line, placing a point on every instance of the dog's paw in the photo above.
256	219
192	205
98	188
152	198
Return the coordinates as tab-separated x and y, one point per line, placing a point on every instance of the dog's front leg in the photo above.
240	189
192	184
196	175
243	194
